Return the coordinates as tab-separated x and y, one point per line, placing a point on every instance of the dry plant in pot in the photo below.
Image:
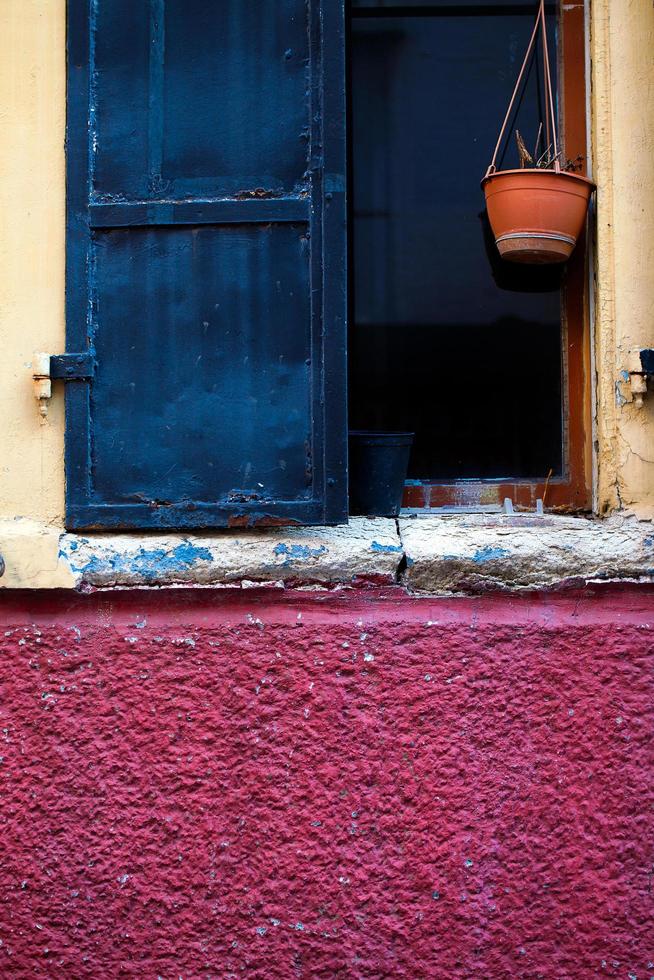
536	212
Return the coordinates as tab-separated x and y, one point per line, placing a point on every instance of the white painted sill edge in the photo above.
444	555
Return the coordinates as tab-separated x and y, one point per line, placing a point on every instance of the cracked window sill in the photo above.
438	555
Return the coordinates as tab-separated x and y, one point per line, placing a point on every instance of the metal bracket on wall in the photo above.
58	367
639	380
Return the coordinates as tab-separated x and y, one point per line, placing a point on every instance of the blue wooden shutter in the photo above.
206	263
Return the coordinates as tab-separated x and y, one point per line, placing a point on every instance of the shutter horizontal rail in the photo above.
163	514
250	210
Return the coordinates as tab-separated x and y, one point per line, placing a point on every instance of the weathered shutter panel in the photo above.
206	263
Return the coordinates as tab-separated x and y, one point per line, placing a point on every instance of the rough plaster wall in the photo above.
623	150
32	233
197	785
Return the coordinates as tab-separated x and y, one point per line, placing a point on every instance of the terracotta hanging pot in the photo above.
536	213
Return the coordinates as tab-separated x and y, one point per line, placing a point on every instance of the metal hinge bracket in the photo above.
641	375
72	367
58	367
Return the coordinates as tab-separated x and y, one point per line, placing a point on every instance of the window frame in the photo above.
571	489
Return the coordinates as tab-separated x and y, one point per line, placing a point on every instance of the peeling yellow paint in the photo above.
623	151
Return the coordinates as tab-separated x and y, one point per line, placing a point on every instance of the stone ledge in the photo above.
453	554
450	554
37	556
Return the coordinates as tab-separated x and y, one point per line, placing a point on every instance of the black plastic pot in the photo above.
377	468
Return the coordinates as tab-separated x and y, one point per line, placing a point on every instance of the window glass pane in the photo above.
447	340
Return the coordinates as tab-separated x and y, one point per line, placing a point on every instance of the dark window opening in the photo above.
446	340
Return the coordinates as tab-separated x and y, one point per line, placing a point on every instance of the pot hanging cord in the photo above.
550	121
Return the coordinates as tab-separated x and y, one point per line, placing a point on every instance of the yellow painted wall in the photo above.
32	237
32	119
622	52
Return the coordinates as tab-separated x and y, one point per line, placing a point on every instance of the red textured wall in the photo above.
279	785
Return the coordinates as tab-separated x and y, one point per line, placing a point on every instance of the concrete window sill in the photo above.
442	555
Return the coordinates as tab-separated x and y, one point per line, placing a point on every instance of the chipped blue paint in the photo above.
150	565
386	548
68	544
489	554
187	554
299	551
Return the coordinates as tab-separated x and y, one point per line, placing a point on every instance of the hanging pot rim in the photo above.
540	171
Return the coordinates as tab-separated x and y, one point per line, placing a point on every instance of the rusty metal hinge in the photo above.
58	367
641	375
